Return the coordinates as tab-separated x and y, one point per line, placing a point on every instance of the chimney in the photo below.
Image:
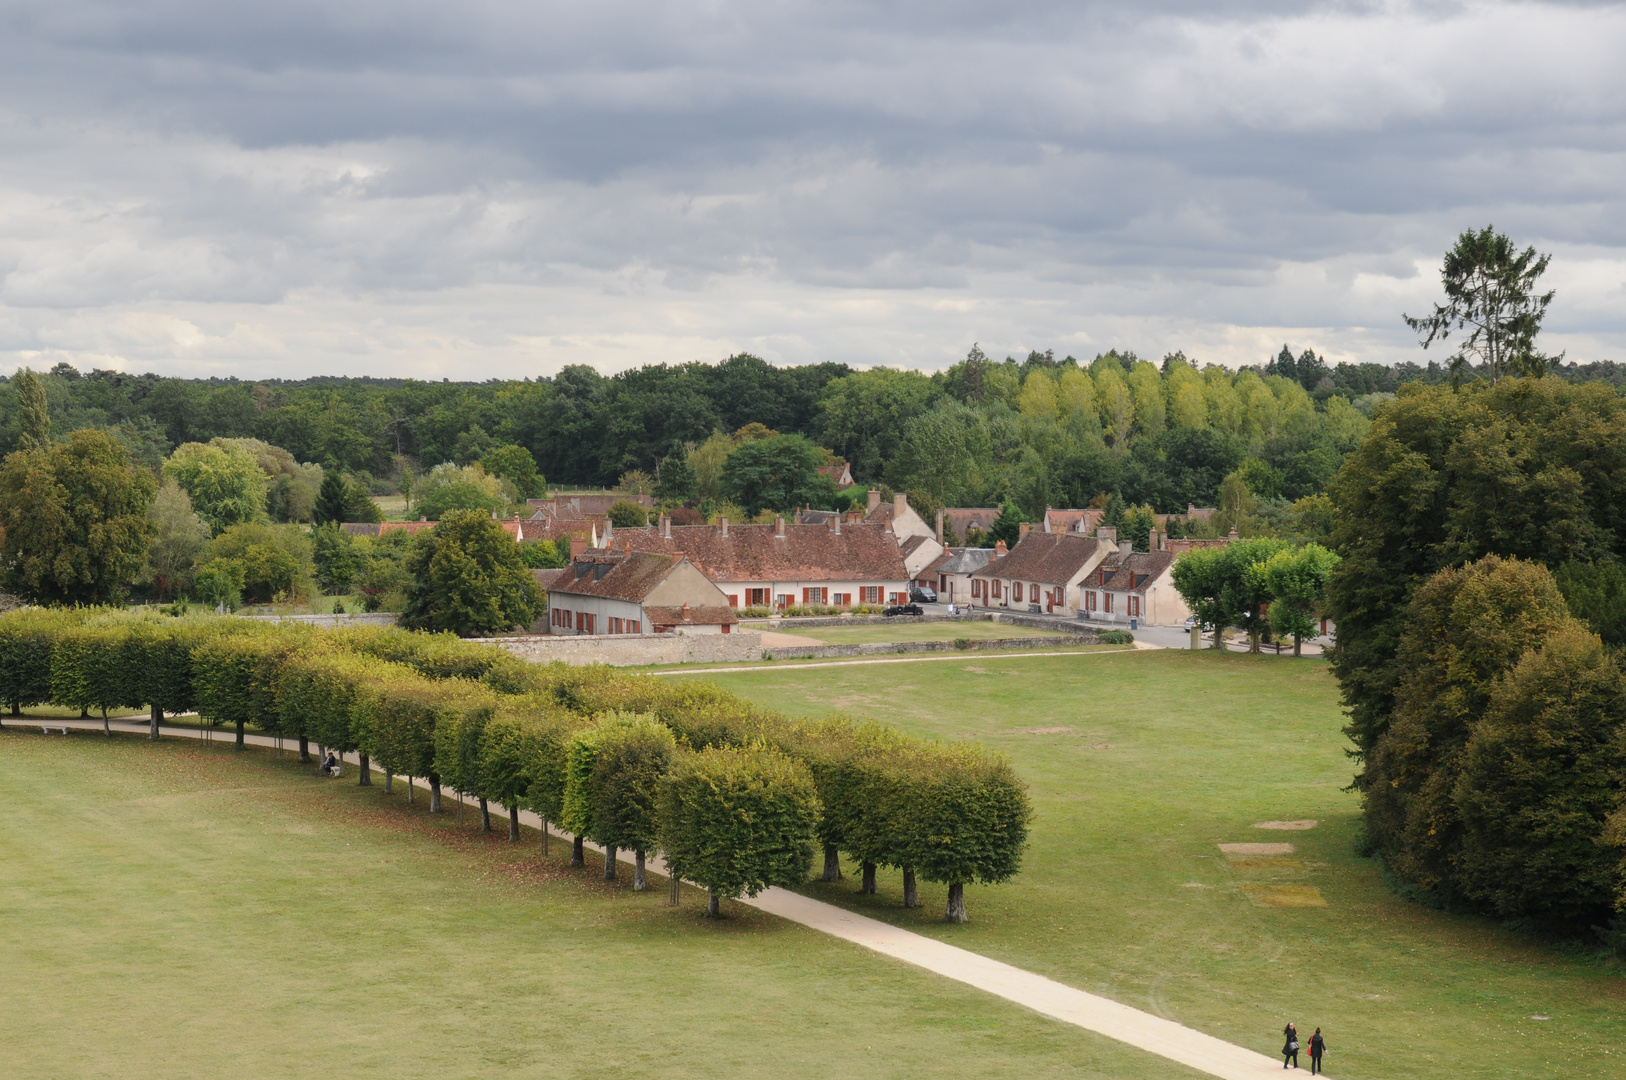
1232	535
835	523
666	526
609	530
722	526
1155	541
900	503
940	526
999	549
1022	531
1126	548
1047	519
1107	534
685	611
779	526
874	498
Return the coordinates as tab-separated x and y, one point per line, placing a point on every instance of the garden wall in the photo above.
630	650
808	652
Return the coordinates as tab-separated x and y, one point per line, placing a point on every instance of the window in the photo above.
871	594
976	588
897	598
635	627
1089	600
844	599
727	628
1134	605
815	596
615	625
1016	592
756	597
786	599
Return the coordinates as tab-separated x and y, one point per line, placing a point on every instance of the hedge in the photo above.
734	794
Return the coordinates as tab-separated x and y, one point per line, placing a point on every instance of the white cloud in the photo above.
501	189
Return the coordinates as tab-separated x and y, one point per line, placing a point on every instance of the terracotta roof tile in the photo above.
698	616
1053	558
629	577
1135	573
963	517
755	553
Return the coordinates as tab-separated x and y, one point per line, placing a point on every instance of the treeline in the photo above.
736	797
1480	602
1037	430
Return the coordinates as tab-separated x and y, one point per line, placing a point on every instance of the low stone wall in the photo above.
376	618
860	620
810	652
634	650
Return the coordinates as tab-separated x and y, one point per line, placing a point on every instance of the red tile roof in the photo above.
1053	558
963	517
1135	573
755	553
631	576
696	616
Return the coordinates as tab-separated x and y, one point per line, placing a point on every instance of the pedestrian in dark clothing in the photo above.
1318	1046
1290	1048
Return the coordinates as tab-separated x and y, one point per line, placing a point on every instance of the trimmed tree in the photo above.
466	576
633	753
961	816
1296	581
738	821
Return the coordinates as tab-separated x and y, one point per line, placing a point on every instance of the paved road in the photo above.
1150	1033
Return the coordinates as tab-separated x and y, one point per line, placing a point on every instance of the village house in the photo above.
633	592
1134	585
839	564
1079	521
897	515
951	574
841	475
1043	572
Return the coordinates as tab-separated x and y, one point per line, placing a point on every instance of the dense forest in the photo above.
1034	431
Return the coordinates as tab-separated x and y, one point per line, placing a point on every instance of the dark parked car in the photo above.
903	609
923	594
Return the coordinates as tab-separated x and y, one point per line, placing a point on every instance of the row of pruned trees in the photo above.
735	797
1255	585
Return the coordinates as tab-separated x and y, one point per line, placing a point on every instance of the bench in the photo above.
46	729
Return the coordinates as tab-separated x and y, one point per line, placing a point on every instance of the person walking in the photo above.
1318	1046
1290	1048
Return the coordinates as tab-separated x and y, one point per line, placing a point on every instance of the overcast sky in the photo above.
495	188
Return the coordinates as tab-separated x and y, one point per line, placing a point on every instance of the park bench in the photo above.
46	729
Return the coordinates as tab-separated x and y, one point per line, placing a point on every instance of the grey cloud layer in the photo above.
224	187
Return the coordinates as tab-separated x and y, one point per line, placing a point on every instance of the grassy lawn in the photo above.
1140	765
871	633
179	911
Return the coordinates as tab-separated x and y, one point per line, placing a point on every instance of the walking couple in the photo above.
1290	1049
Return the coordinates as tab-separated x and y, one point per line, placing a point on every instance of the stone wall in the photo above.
808	652
634	650
376	618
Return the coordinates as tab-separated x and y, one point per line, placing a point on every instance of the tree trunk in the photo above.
84	712
389	781
675	883
868	886
485	815
956	902
832	863
16	708
609	862
639	882
577	858
544	838
434	794
409	790
911	891
1253	641
366	770
1298	643
240	745
106	728
157	718
714	905
513	824
305	752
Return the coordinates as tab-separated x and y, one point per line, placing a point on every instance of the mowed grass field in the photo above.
1140	765
872	633
179	911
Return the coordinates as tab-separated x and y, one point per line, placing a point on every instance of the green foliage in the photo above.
275	560
178	536
1596	594
1490	292
1006	527
224	479
631	755
1543	770
675	481
738	820
86	668
321	693
1296	582
75	520
1467	627
448	488
515	464
33	413
962	815
776	473
626	514
1528	469
1116	637
334	557
466	576
237	677
27	643
545	554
